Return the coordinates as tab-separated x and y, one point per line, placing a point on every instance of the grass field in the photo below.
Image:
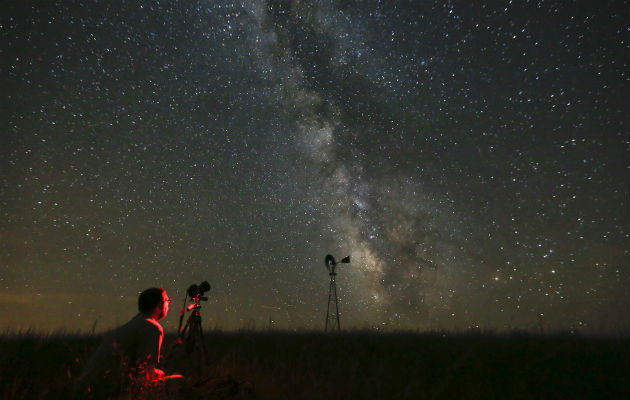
351	365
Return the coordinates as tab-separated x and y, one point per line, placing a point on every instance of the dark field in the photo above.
351	365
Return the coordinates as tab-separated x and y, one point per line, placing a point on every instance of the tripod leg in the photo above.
195	336
203	343
191	338
182	334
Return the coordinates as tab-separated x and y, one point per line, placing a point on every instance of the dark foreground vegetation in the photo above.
353	365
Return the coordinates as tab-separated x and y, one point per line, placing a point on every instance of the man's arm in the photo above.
150	344
151	349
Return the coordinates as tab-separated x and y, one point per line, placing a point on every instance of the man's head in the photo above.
154	302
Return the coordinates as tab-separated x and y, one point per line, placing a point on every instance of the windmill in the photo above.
331	317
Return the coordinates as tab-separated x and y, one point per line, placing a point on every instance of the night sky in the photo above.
473	161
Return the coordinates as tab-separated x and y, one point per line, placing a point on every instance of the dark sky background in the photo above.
473	160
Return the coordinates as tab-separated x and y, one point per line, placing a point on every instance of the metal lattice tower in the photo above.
332	297
332	316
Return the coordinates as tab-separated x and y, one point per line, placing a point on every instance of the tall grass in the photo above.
349	365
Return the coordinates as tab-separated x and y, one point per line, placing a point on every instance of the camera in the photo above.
196	292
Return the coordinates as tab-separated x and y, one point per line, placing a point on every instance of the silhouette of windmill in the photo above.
332	317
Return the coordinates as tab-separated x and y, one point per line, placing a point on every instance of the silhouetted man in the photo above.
130	354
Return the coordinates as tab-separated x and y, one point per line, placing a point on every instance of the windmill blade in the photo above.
330	263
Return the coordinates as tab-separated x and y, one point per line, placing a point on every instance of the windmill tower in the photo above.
332	316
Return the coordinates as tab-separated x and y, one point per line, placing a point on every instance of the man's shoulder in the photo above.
154	325
150	324
143	324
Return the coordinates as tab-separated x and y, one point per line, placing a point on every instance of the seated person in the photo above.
130	354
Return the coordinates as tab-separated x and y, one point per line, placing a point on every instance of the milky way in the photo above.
472	159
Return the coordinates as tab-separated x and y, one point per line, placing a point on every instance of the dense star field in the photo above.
472	159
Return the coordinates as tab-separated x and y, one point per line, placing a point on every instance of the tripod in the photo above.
192	334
